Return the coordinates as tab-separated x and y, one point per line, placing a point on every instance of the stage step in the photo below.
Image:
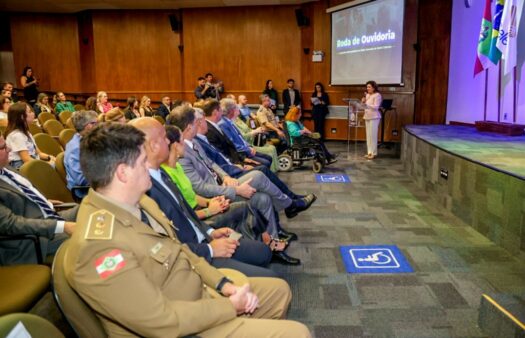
502	315
508	129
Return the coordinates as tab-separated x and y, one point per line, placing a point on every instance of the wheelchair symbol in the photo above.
376	258
332	178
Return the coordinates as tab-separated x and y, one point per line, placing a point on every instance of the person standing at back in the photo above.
30	84
272	94
320	102
291	96
372	101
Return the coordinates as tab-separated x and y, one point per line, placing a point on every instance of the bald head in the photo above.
157	145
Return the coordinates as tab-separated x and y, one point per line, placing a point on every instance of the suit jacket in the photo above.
287	102
223	143
214	155
200	177
106	271
163	111
183	229
21	216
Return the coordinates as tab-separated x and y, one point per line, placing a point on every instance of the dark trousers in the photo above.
319	124
263	159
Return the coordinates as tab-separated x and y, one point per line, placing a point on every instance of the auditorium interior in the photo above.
422	236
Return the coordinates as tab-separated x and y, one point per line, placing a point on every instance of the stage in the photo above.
479	177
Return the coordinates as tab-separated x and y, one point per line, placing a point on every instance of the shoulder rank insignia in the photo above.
100	225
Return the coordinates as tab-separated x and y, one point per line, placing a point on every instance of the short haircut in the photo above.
173	134
182	117
200	78
81	118
107	146
208	74
290	80
263	96
228	106
210	105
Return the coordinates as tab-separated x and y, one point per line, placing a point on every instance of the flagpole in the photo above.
485	105
515	96
499	92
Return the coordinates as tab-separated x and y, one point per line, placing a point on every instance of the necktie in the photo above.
217	178
48	212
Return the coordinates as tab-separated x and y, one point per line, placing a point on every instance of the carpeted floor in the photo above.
505	153
453	264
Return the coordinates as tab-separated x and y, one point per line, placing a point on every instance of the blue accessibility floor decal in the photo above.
374	259
332	178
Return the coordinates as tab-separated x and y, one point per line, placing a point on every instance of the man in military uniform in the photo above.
126	263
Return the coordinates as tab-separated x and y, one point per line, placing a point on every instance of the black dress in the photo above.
319	112
31	91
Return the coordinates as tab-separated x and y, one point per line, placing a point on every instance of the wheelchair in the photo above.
303	149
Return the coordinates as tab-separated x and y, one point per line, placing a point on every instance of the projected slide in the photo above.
367	43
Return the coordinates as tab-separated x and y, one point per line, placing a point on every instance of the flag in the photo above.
482	59
507	39
495	52
109	263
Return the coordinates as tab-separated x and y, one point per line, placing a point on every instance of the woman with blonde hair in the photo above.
42	104
297	130
102	102
145	107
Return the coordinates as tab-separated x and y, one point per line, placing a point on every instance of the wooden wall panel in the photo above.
242	46
136	52
49	44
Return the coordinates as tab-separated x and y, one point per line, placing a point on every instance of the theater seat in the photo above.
36	326
64	116
46	180
47	144
35	128
45	116
53	127
78	314
65	136
21	286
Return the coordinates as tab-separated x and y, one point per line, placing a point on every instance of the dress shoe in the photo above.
287	236
331	160
299	205
283	258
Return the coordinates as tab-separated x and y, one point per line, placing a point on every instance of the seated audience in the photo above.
103	104
230	112
132	110
246	113
42	104
213	113
155	287
269	123
113	115
209	180
245	255
297	130
145	107
91	104
83	121
165	107
5	103
19	139
62	104
9	86
25	211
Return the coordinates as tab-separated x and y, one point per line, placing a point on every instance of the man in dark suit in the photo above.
25	211
165	107
247	256
291	96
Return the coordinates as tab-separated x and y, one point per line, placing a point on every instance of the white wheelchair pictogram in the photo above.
376	258
332	178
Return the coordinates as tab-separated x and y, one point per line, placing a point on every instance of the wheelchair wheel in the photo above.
285	162
317	165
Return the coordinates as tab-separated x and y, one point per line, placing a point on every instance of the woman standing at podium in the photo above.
372	101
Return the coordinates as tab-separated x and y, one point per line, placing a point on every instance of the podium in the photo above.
354	106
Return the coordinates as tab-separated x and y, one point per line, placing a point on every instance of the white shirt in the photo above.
3	116
156	175
18	141
60	224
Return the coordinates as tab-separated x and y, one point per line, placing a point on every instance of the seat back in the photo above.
46	180
53	127
69	124
45	116
79	315
35	128
37	326
160	119
61	168
47	144
79	107
65	136
63	116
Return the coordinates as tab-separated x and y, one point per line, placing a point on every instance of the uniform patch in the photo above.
109	263
100	225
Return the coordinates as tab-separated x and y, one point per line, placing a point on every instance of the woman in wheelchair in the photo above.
298	133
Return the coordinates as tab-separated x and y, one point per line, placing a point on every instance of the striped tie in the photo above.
48	212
